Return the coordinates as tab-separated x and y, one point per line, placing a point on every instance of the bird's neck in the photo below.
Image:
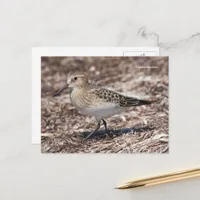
80	88
83	87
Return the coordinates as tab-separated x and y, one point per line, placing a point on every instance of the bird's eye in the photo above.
75	78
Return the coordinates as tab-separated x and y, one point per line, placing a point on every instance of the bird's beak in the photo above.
58	92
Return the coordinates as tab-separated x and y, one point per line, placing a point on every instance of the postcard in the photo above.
104	104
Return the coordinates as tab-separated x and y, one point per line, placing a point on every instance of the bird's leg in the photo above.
97	128
106	129
105	124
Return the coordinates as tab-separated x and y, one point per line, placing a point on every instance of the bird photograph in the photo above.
104	105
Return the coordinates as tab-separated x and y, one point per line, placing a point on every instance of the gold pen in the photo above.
166	178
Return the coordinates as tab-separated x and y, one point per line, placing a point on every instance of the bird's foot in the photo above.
107	132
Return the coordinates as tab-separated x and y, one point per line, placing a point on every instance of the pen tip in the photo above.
120	187
129	186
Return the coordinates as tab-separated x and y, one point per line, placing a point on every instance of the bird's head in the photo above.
77	80
74	80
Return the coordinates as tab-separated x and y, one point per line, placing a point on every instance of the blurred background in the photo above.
63	128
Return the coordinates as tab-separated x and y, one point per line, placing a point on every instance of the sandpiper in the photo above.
96	101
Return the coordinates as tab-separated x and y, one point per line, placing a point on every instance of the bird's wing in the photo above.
110	96
106	95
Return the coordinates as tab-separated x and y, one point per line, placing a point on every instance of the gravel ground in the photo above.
141	129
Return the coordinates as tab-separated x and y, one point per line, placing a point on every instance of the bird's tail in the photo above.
144	102
129	101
